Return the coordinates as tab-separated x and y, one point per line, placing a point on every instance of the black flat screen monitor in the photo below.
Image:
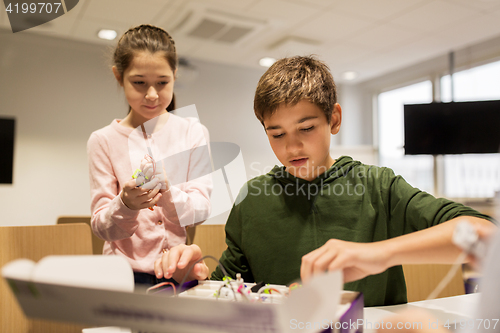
7	126
452	128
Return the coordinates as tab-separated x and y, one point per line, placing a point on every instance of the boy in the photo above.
315	213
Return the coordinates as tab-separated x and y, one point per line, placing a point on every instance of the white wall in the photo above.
223	96
58	91
357	117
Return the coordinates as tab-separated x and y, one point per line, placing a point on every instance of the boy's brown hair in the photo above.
290	80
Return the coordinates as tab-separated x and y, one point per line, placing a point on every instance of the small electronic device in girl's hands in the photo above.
148	166
146	177
140	178
148	183
146	171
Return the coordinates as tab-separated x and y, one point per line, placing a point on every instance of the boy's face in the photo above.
300	138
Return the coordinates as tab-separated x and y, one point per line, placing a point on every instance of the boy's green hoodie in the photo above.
278	218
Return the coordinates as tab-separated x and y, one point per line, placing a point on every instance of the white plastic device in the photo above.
466	238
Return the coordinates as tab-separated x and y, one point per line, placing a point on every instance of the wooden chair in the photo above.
421	280
211	238
34	243
97	243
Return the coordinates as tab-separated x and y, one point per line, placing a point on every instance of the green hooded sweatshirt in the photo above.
278	218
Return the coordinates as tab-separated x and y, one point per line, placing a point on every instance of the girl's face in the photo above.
148	84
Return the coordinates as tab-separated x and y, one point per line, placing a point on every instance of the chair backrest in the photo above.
34	243
421	280
211	238
97	243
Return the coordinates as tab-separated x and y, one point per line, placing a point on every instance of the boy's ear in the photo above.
336	119
118	77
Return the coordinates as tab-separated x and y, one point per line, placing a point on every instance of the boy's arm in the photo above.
233	261
419	230
433	245
424	224
357	260
233	258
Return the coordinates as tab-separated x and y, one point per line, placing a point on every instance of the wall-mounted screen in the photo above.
452	128
7	132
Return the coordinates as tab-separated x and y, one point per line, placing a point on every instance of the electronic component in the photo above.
235	291
465	237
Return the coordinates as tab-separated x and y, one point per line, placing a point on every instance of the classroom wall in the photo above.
60	91
357	116
223	96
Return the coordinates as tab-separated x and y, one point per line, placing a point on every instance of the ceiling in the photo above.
370	37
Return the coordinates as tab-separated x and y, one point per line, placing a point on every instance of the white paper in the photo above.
96	272
314	303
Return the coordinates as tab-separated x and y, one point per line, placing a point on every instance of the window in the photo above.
416	169
472	175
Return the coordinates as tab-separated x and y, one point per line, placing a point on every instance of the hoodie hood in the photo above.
342	166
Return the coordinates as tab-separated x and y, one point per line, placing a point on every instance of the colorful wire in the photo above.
156	286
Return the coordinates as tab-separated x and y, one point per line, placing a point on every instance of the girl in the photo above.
123	208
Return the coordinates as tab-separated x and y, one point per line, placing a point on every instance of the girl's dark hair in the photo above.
149	38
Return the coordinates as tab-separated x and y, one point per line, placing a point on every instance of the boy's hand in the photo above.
176	262
356	260
137	197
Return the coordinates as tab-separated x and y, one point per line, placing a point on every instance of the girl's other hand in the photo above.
176	262
148	167
154	174
137	198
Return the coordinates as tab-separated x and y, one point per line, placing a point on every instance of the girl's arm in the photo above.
111	219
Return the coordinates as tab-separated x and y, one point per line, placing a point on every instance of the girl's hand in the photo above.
154	173
176	262
137	198
148	167
356	260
